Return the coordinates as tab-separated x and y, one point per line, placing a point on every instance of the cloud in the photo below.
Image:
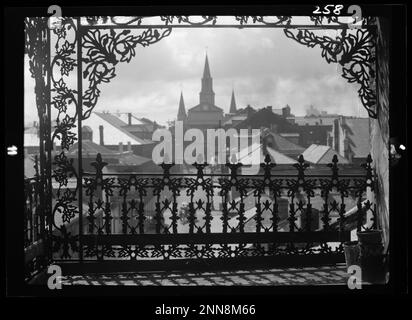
263	66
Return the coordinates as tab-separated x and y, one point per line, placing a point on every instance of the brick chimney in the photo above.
129	117
129	146
101	135
121	147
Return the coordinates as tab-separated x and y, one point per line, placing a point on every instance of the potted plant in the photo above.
352	253
372	258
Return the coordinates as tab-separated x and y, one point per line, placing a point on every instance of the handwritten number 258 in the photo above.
336	9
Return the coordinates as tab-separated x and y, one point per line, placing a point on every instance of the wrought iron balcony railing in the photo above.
154	219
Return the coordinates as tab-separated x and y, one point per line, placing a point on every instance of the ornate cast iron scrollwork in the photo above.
354	51
137	192
270	21
104	49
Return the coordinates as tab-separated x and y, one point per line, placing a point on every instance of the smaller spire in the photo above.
181	114
233	108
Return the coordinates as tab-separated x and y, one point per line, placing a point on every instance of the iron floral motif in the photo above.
279	20
104	51
354	51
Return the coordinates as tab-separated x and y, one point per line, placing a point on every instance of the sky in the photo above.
262	65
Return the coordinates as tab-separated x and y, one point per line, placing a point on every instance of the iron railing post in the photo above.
79	34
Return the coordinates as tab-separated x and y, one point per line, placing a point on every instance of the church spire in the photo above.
206	94
233	103
181	114
206	70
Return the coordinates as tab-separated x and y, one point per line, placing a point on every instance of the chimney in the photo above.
121	147
129	116
249	135
101	135
129	146
286	111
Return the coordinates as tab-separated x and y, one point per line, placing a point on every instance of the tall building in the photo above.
205	115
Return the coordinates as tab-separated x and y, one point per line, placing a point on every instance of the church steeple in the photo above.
206	94
206	71
233	109
181	114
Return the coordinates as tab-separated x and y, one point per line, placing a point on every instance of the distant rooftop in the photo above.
320	154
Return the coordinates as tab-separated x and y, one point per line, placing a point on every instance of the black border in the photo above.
14	101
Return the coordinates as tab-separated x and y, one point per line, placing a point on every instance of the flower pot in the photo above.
371	256
352	253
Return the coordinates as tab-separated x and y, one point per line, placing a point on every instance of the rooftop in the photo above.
322	154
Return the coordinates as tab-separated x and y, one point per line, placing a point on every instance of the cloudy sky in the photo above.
261	64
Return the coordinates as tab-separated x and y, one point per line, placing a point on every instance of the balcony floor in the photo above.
323	275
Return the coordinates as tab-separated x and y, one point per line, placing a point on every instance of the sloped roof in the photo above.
358	136
254	155
265	117
312	121
201	108
133	160
139	128
235	118
91	148
119	124
320	154
283	144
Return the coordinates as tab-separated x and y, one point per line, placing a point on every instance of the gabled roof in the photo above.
201	108
119	124
320	154
89	147
247	110
254	155
358	136
283	144
112	119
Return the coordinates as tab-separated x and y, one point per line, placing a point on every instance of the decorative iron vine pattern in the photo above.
102	51
107	47
38	189
138	20
308	199
354	51
274	21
